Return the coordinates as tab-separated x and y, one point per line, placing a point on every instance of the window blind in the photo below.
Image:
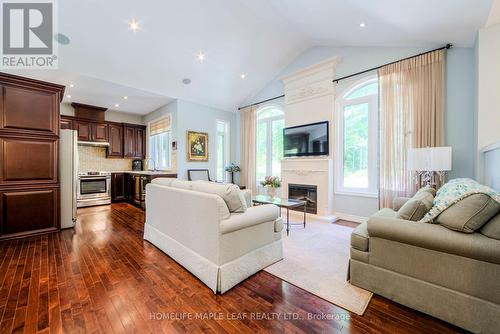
159	126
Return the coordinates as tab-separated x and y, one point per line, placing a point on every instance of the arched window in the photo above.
357	121
269	142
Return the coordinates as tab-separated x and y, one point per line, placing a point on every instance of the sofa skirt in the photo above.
217	278
468	312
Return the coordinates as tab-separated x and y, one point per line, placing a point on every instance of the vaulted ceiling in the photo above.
254	37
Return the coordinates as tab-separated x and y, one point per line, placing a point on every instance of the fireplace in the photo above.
307	193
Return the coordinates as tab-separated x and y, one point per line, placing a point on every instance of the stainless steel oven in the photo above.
94	188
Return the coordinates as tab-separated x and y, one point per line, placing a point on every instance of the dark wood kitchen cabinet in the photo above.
115	148
90	131
99	132
119	187
66	123
131	186
83	129
134	141
29	156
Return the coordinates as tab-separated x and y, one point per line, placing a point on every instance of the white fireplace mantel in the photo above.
309	98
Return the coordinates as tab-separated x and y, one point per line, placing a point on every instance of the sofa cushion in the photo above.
469	214
181	184
230	193
492	228
417	206
164	181
359	237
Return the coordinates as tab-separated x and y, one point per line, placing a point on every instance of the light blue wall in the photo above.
460	107
197	117
460	111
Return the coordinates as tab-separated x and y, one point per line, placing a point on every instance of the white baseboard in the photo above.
352	218
330	218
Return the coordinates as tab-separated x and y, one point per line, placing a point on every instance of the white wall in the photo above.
488	86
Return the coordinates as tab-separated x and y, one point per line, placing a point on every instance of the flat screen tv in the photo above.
306	140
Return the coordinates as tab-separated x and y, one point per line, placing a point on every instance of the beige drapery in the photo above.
247	147
411	115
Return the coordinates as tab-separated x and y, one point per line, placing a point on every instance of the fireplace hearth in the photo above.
304	192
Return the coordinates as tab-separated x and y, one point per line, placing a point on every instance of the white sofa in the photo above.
191	222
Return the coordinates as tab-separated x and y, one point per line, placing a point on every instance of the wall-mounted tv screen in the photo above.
306	140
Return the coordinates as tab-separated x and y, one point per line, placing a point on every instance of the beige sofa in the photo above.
451	275
192	223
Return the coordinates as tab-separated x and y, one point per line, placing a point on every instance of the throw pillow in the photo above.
469	214
230	193
417	206
492	228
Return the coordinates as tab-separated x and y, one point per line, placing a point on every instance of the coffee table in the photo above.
283	203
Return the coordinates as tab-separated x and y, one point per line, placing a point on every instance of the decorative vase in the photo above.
271	192
232	177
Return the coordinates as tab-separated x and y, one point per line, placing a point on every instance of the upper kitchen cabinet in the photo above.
115	148
66	123
29	106
90	131
83	129
134	141
99	132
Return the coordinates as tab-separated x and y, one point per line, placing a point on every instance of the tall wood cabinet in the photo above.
29	156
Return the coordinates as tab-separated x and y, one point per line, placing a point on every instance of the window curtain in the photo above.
247	147
411	116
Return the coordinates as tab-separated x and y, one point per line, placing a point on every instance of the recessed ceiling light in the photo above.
68	96
71	85
201	56
125	97
243	75
62	39
117	105
134	25
362	24
186	81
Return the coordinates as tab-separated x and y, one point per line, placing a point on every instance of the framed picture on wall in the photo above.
197	146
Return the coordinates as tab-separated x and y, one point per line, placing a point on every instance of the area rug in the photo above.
316	260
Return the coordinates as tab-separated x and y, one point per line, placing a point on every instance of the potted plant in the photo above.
271	183
232	168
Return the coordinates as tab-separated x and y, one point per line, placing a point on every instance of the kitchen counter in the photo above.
144	172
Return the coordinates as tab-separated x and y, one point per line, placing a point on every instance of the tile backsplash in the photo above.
93	158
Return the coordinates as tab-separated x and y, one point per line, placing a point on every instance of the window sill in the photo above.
356	193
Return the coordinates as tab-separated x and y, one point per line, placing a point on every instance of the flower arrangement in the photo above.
271	181
232	168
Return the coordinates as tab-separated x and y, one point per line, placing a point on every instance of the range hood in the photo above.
93	143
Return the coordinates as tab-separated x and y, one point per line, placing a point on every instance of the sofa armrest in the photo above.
247	194
252	216
398	202
435	237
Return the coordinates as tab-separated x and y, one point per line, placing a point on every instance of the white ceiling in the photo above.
102	93
388	22
255	37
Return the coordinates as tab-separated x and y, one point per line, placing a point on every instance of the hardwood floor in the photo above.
102	277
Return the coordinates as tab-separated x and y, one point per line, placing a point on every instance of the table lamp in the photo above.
428	162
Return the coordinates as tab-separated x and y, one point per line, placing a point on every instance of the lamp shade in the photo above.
429	159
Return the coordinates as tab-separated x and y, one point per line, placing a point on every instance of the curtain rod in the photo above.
263	101
447	46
